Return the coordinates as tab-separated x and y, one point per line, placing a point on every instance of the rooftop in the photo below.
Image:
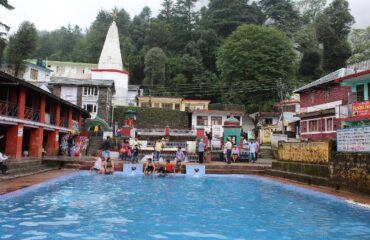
4	77
342	73
80	82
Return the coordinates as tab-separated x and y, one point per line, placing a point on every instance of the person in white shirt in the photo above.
229	147
235	153
252	151
98	165
3	167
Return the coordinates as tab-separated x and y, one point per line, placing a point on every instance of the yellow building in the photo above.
172	103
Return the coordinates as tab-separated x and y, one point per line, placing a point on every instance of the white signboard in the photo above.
20	132
353	139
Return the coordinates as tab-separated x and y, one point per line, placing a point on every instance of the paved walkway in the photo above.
22	182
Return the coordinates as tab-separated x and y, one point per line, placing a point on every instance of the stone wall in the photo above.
312	152
351	171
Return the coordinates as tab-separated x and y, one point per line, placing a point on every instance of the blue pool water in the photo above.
84	206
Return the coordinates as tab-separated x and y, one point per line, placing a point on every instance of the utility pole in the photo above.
281	95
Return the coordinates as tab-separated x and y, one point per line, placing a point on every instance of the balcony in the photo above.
8	109
31	114
63	122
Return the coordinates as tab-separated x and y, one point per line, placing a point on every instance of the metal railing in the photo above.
8	109
31	114
63	122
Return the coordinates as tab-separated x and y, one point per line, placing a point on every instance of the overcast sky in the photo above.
52	14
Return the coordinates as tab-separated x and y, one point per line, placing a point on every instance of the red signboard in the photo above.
361	109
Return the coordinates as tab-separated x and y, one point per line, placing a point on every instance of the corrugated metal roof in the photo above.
350	69
81	82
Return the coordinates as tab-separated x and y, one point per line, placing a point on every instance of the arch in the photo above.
97	121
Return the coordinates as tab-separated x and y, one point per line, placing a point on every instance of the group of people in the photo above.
151	166
232	152
130	152
101	166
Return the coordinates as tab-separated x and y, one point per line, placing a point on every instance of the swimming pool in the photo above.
84	206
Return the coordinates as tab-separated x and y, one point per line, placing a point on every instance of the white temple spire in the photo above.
110	57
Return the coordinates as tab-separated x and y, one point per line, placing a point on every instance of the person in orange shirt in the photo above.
169	168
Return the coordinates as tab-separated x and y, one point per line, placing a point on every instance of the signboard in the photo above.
361	108
20	132
353	139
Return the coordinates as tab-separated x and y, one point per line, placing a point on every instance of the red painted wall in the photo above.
319	95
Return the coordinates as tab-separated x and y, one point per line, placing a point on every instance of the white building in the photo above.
213	119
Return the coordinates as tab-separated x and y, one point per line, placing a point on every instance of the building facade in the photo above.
172	103
32	119
93	96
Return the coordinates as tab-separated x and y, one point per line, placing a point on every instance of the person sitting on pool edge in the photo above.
108	167
169	167
149	167
98	165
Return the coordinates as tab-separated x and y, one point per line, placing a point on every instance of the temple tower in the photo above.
110	66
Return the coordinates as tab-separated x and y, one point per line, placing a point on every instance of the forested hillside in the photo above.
207	53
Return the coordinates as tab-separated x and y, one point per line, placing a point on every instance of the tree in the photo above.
3	41
360	44
5	4
155	67
225	16
310	9
22	45
254	62
281	14
332	29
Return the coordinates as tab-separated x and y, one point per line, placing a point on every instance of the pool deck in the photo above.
23	182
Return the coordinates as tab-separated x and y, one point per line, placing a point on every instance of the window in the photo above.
167	105
329	124
360	89
216	120
327	93
177	106
268	121
145	104
312	97
34	74
91	108
313	126
90	91
202	120
60	69
289	108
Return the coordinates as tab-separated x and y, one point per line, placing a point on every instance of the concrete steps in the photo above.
236	169
25	167
309	179
95	143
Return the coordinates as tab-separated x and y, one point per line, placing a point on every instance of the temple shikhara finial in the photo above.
115	13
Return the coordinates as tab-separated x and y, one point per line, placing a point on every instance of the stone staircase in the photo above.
25	167
95	143
237	169
317	174
265	152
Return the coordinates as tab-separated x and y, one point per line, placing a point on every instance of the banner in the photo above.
361	109
353	139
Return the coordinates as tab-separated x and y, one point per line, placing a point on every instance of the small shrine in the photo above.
232	130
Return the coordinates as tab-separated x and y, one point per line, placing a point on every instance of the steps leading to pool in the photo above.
25	167
236	169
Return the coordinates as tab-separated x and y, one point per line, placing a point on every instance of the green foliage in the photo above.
254	60
332	29
310	65
225	16
6	5
22	45
360	43
281	14
154	117
155	67
310	9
